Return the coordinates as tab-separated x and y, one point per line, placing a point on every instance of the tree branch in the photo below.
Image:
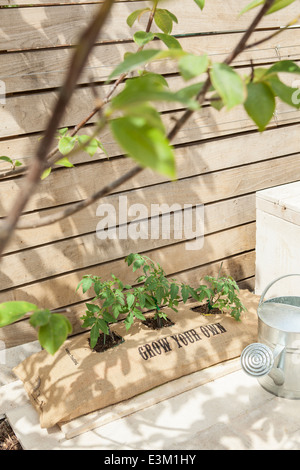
32	180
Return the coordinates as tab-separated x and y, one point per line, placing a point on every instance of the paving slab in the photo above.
12	395
232	412
11	357
151	397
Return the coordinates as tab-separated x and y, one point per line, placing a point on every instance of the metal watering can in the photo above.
275	360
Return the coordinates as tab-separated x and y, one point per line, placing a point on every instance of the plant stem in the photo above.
273	35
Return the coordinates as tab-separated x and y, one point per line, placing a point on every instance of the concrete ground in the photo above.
226	412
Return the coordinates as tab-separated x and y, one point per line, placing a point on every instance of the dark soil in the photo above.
8	440
204	310
154	325
111	341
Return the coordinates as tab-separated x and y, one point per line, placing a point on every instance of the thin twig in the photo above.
74	208
33	177
273	35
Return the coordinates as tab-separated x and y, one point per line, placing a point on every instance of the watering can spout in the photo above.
258	360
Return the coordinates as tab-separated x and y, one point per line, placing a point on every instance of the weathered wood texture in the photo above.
221	158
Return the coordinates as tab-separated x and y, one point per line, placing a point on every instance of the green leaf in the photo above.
260	104
46	173
7	159
130	300
62	132
174	291
252	5
159	294
116	309
169	40
12	311
142	299
149	87
97	287
285	93
184	293
135	15
138	314
101	146
190	65
54	333
40	318
129	321
164	20
89	145
278	5
88	321
216	102
200	3
144	143
138	263
86	284
66	144
284	66
93	308
103	326
64	162
94	335
228	84
141	38
108	317
189	92
133	61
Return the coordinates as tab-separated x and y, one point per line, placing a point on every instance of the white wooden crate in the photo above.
278	239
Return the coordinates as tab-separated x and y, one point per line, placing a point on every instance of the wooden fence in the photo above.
221	158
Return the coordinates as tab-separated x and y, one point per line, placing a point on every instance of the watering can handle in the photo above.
271	284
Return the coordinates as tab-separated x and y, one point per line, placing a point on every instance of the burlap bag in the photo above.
76	380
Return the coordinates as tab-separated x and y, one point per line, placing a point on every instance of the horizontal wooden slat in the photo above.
21	3
200	126
75	253
210	156
30	113
72	254
70	185
34	70
217	217
174	258
42	27
239	266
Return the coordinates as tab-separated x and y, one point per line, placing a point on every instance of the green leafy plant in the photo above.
112	299
221	293
158	290
14	164
66	144
104	308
